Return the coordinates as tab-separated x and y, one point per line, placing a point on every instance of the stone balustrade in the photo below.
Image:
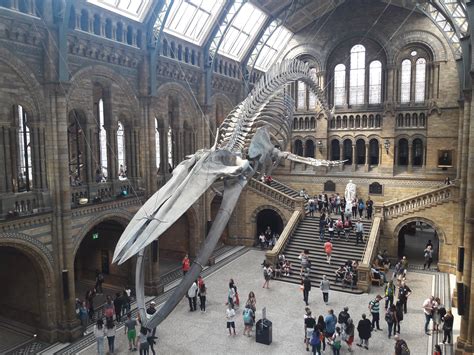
364	280
279	197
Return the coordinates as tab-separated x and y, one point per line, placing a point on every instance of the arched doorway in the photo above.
25	293
413	238
95	254
269	217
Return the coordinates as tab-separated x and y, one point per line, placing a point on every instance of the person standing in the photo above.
343	317
427	310
399	310
143	340
374	307
347	228
248	317
359	227
185	264
231	293
306	289
391	319
330	321
322	226
261	239
315	341
325	286
389	293
339	227
361	207
202	296
309	324
364	328
337	341
118	307
99	333
331	228
99	280
83	317
192	296
328	250
110	330
230	316
403	293
151	334
131	332
369	205
448	321
349	332
321	325
267	275
401	346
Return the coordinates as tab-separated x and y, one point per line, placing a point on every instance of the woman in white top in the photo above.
110	333
337	341
99	333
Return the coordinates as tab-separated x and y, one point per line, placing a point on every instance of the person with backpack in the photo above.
399	310
315	341
401	347
306	288
361	207
374	307
391	319
448	321
389	293
339	227
347	228
309	324
343	317
336	341
109	309
365	331
248	317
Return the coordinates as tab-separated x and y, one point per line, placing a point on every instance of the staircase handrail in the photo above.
284	185
364	280
272	255
420	199
286	201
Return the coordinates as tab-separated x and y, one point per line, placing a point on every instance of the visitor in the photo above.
315	341
369	205
349	333
389	293
230	316
307	313
328	251
267	275
309	324
118	306
331	228
354	208
261	239
126	301
110	330
151	310
403	293
359	227
437	350
143	341
399	310
306	288
248	317
438	312
311	206
340	273
286	268
347	228
427	310
268	235
202	296
361	207
401	347
448	321
321	325
99	333
185	264
391	319
83	317
304	257
131	332
252	302
231	293
330	322
336	341
325	286
428	255
343	317
374	307
192	296
90	294
364	328
99	280
447	181
322	226
339	227
404	266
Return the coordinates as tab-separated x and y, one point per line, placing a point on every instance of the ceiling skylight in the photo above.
134	9
270	50
192	19
242	31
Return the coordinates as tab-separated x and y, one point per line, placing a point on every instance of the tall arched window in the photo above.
420	78
298	147
417	152
374	152
301	95
25	165
357	75
405	81
403	152
339	85
102	141
76	145
157	145
170	148
360	150
309	149
122	173
311	95
347	147
375	82
335	150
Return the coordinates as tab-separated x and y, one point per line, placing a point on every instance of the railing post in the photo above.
363	278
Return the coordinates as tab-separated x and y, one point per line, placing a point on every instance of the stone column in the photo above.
367	156
112	157
78	20
410	157
114	30
102	26
354	156
390	93
15	5
152	269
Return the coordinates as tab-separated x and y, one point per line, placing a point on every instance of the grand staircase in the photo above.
284	189
306	236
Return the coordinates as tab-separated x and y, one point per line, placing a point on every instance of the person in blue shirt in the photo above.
330	320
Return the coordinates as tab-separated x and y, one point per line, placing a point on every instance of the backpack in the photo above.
247	315
402	345
343	317
315	338
337	344
389	317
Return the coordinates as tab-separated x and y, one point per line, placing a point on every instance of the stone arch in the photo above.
187	105
253	217
305	50
425	38
437	227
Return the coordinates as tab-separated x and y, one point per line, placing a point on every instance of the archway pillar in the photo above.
153	285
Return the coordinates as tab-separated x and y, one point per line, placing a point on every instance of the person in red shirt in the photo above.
186	264
328	250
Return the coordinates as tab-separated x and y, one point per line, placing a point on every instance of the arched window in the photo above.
301	125
407	120
157	145
347	147
301	95
417	152
312	123
420	78
422	120
309	149
405	81
357	75
374	152
360	150
403	152
335	150
76	145
364	121
340	85
414	121
378	121
351	121
371	121
170	148
344	122
338	122
25	165
298	147
332	123
122	172
295	123
102	142
306	123
311	95
357	122
400	120
375	82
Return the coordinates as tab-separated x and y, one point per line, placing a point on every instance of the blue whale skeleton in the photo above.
246	144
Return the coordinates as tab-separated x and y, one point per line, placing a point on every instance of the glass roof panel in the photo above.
192	19
242	31
269	53
134	9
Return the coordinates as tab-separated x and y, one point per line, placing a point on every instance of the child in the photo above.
230	315
130	331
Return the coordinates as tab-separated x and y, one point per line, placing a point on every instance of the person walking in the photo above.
403	293
131	332
325	286
143	341
99	280
374	307
309	324
83	317
361	207
391	319
192	296
230	316
315	341
328	249
331	228
110	331
99	333
347	228
337	341
369	205
330	321
428	255
306	289
248	317
427	310
90	294
389	293
231	293
261	239
185	264
339	227
322	226
364	328
321	325
118	307
401	346
202	296
151	337
267	275
399	310
349	334
343	317
304	258
359	227
448	321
